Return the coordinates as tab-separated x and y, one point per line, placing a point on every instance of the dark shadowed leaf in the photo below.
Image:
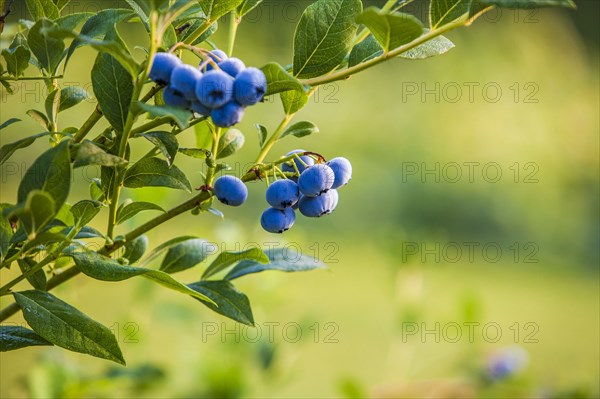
9	122
89	153
6	151
42	9
38	210
185	255
364	51
84	211
38	278
166	142
231	302
155	172
64	326
48	50
262	134
69	97
129	210
178	115
17	56
134	250
17	337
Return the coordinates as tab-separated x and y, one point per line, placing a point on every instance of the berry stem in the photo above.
234	22
274	137
210	174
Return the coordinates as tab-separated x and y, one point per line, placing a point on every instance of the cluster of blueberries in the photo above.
313	193
222	92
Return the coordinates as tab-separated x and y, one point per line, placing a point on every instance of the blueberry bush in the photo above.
149	93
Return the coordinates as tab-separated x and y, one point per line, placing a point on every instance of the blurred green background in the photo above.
383	321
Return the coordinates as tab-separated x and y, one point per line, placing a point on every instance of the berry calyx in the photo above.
250	86
342	169
163	65
315	207
277	221
230	190
283	194
214	89
316	180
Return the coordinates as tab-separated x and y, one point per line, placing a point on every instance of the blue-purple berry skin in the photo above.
175	98
198	108
232	66
277	220
283	194
214	89
316	180
184	79
230	190
316	207
228	115
250	86
301	168
342	169
163	65
217	56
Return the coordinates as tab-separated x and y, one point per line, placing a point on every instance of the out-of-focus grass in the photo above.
373	287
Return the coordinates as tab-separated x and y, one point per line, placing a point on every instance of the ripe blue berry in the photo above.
342	169
214	89
316	180
283	194
230	190
162	67
277	220
233	66
228	115
184	79
288	167
198	108
250	86
315	207
217	56
175	98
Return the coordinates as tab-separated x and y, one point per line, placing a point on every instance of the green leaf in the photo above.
96	192
301	129
113	87
436	46
226	259
154	172
186	255
98	26
166	245
527	4
134	250
391	30
42	8
61	3
442	12
283	259
51	173
17	56
16	337
9	122
178	115
324	36
231	302
69	97
37	279
64	326
88	153
215	9
48	50
84	211
6	231
70	22
6	151
39	118
364	51
230	142
127	211
293	101
247	6
204	134
140	12
262	134
165	142
196	23
280	80
199	153
106	269
38	210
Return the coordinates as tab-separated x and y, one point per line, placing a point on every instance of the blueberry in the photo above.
230	190
316	180
214	89
175	98
277	220
250	86
184	79
315	207
283	194
342	169
228	115
233	66
217	56
288	167
198	108
162	67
